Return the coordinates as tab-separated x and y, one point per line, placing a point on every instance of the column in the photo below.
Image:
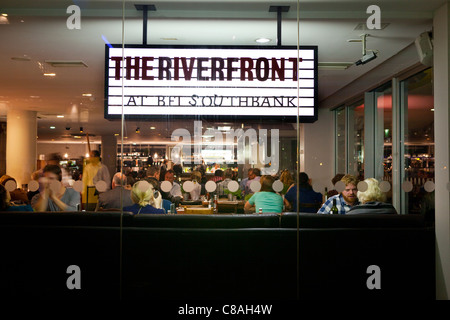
441	52
109	153
21	147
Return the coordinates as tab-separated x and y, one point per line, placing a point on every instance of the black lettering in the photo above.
215	100
246	70
161	101
262	64
131	100
146	68
164	67
135	67
210	101
279	100
117	67
217	65
187	70
279	70
201	68
230	68
193	102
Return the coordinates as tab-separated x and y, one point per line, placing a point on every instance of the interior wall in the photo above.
441	35
74	150
318	150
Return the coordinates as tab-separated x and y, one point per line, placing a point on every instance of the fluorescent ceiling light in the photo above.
66	63
49	74
60	116
334	65
87	94
263	40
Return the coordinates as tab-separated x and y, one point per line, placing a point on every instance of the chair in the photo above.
166	205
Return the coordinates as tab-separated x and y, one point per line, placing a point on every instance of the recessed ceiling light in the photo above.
49	74
77	137
263	40
4	14
87	94
60	116
116	134
52	127
153	128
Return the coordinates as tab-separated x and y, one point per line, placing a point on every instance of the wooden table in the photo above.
224	206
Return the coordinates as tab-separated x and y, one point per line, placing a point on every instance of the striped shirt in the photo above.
342	206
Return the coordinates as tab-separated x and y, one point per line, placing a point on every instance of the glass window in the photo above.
418	175
356	139
340	149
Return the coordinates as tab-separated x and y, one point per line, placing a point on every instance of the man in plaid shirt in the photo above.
346	199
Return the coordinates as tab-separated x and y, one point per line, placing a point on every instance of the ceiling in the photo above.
37	32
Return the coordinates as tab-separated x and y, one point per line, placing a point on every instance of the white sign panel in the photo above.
190	81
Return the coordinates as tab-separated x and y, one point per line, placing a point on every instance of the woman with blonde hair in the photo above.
287	179
145	198
372	200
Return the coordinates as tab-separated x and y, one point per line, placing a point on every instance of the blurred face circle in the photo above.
53	182
349	193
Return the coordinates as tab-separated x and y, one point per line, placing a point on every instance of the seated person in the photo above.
117	197
53	195
373	200
288	181
174	195
17	195
223	185
5	204
344	200
196	178
310	201
266	198
143	196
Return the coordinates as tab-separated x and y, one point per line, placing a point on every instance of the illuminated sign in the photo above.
224	82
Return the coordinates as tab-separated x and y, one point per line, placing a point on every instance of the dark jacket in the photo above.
373	207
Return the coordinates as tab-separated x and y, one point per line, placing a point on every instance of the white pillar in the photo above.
441	35
21	150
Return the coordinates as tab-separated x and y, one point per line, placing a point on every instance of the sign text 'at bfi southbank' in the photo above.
217	81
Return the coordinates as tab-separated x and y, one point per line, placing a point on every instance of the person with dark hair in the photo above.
5	204
223	185
335	179
253	175
309	200
17	195
54	196
218	176
174	195
266	198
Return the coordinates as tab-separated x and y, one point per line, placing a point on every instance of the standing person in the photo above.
143	196
309	200
266	199
373	200
346	199
117	197
163	170
93	172
54	196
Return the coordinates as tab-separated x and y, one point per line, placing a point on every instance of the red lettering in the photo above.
246	69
